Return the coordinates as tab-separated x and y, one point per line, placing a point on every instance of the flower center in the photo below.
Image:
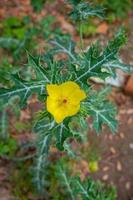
64	100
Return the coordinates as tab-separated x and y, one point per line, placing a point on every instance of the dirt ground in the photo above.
116	164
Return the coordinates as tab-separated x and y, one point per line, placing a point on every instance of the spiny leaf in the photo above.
62	132
41	73
64	45
102	111
81	188
88	189
78	127
68	149
37	5
83	10
9	43
66	182
43	128
23	89
104	63
3	121
92	190
74	2
96	61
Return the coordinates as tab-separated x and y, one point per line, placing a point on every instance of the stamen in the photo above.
64	100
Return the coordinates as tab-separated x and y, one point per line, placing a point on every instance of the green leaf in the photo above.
41	73
79	127
66	181
93	190
74	188
74	2
37	5
3	121
83	10
81	188
96	61
41	162
102	63
102	111
44	123
62	132
64	45
9	43
43	129
23	89
47	125
58	71
4	115
68	149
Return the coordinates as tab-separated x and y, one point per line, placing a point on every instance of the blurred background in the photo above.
28	25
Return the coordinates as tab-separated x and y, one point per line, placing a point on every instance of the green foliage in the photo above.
16	35
117	9
95	62
101	110
81	11
8	147
21	181
79	67
37	5
6	69
11	105
47	29
88	29
22	89
14	27
71	187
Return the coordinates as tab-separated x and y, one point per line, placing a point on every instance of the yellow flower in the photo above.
64	100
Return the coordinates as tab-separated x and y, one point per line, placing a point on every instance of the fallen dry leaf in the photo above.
105	177
102	28
122	136
130	111
129	85
106	168
112	149
119	166
130	121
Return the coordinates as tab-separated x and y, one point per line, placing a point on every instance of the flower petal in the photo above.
77	96
54	90
69	87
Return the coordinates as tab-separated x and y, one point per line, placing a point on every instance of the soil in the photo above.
116	165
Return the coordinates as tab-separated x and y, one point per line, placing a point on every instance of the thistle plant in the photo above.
64	87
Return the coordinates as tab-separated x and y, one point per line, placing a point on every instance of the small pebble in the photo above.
130	121
105	177
122	111
106	168
128	185
131	145
122	135
130	111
